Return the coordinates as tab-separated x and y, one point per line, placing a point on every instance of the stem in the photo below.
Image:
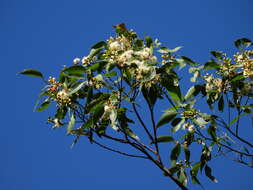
142	123
117	151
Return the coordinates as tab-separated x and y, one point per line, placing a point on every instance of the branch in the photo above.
117	151
142	123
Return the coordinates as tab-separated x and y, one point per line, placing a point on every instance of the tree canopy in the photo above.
99	97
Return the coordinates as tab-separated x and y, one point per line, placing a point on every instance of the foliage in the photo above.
97	96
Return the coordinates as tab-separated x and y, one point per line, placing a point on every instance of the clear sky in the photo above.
48	34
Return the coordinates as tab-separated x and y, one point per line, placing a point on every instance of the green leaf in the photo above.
31	72
183	177
217	54
71	124
211	65
98	111
176	121
200	121
208	172
195	169
130	133
242	43
187	154
149	41
61	113
166	118
178	126
237	78
164	139
113	119
77	88
75	69
43	106
192	92
111	74
100	44
221	104
175	93
188	61
166	50
236	118
175	154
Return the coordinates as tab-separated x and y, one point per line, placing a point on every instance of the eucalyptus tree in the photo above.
100	96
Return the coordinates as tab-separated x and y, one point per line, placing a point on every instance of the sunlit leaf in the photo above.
71	124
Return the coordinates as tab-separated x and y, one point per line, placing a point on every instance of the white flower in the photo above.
116	46
76	61
191	129
153	59
107	109
126	56
85	60
144	54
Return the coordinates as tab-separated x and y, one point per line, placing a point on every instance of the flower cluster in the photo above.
63	98
213	83
245	60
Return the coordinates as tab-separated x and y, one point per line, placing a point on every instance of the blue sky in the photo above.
47	35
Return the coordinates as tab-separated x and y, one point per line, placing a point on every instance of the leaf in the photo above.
236	118
75	69
175	154
61	113
200	121
130	133
176	121
166	50
175	93
221	104
178	126
242	43
111	74
187	154
183	177
100	44
211	65
195	169
31	72
77	88
164	139
71	124
217	54
192	92
188	61
166	118
43	106
208	172
89	96
149	41
237	78
113	118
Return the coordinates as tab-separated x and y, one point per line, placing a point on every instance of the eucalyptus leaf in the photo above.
208	172
43	106
175	154
71	124
31	72
163	139
166	118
